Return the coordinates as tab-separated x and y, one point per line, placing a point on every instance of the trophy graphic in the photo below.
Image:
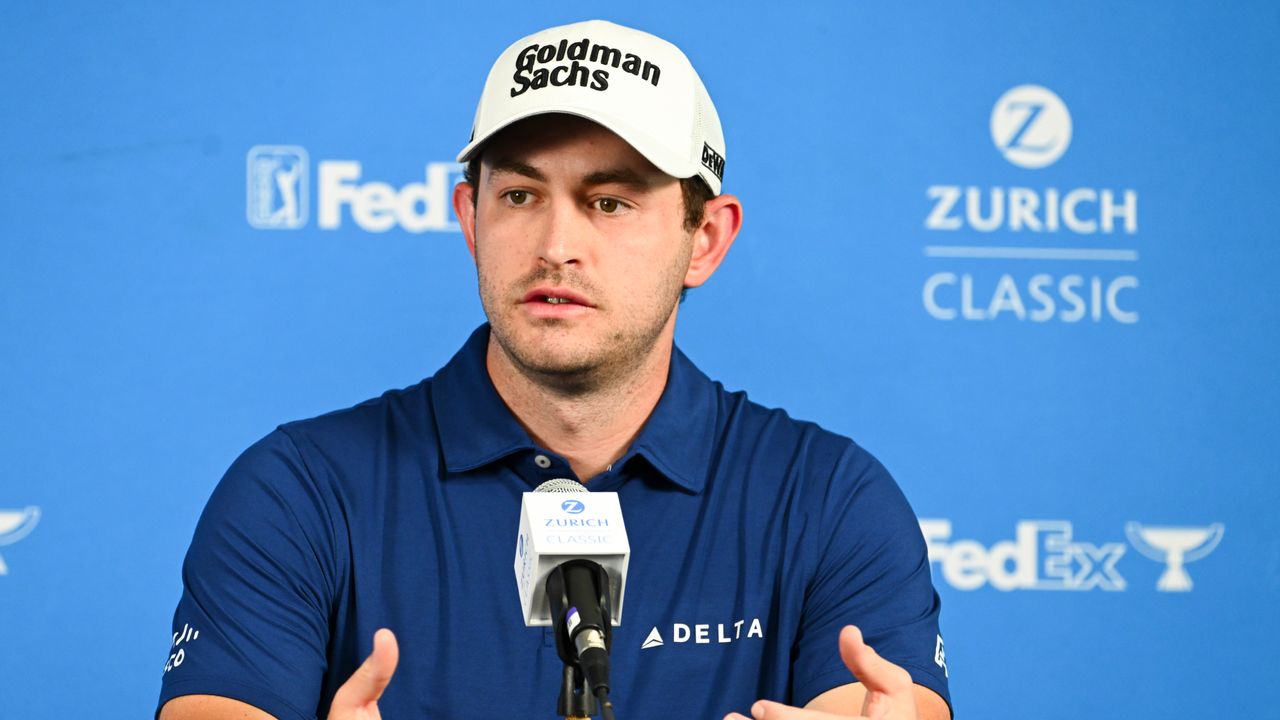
15	525
1175	547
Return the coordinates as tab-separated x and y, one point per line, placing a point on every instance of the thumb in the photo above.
874	672
366	684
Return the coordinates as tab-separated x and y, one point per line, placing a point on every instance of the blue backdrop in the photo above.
1024	252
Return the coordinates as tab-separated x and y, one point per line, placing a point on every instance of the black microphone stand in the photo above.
578	591
576	702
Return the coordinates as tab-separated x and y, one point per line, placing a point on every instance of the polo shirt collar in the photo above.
477	428
677	439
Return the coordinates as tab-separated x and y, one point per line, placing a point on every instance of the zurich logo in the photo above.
1030	126
573	507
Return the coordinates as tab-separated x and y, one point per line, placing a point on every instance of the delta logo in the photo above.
705	633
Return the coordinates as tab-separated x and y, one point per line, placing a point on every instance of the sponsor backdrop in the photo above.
1024	252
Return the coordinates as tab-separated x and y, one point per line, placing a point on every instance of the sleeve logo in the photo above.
940	657
184	636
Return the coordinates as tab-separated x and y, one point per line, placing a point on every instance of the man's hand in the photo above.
357	699
890	694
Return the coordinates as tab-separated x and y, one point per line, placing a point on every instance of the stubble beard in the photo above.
580	365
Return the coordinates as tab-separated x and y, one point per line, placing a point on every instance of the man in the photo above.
593	201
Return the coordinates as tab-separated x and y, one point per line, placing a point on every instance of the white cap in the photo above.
637	85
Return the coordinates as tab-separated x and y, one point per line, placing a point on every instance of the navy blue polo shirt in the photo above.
754	539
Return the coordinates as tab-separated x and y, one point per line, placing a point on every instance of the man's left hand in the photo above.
890	694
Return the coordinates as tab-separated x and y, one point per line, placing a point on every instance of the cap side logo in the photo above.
713	161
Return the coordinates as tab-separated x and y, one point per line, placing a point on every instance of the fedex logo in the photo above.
1042	556
278	194
377	206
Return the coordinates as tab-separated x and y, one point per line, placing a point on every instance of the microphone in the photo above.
561	521
571	565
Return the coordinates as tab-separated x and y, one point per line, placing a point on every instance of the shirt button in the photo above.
542	461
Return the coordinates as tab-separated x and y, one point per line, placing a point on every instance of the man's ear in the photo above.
464	207
721	221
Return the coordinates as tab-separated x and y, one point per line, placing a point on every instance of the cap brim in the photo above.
652	150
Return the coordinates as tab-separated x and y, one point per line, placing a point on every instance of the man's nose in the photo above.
564	233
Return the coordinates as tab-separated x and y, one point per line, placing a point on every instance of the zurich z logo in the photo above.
573	507
1031	126
1033	111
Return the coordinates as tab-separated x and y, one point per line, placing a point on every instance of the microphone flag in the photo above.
556	527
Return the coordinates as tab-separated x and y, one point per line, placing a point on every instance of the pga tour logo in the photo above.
277	186
277	197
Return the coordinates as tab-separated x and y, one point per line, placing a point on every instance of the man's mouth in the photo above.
555	296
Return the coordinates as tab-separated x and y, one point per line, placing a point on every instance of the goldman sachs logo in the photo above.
1032	250
278	196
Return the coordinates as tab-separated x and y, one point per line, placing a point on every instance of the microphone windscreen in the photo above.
561	485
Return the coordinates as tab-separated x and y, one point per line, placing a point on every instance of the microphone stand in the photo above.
578	591
576	701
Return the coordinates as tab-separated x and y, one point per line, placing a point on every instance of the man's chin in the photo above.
547	350
546	361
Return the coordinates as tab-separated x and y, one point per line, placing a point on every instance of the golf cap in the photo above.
638	85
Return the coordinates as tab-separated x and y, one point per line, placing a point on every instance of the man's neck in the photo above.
590	426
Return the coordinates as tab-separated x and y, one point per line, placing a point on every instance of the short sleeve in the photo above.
873	572
258	588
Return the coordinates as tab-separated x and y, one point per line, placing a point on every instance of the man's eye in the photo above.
608	205
517	197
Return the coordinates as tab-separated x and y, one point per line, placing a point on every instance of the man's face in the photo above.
579	248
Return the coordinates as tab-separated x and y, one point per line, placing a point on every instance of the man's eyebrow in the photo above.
509	165
622	176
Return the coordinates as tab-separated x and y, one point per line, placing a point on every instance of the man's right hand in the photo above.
357	699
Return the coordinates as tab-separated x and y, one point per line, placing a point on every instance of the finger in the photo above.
877	706
369	680
873	671
769	710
